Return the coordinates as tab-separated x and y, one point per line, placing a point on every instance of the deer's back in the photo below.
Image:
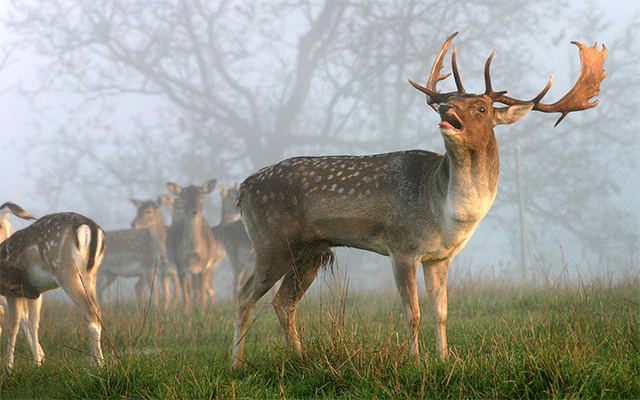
356	201
133	247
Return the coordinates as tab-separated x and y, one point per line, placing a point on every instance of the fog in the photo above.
103	103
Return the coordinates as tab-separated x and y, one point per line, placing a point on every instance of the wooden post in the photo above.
523	232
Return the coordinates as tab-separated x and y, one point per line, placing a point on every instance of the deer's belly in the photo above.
42	279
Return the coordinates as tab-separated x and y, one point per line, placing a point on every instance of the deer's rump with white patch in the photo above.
44	257
58	250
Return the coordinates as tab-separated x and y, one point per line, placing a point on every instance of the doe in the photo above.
58	250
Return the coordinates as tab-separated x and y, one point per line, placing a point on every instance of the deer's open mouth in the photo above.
450	121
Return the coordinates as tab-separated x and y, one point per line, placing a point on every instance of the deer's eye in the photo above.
482	110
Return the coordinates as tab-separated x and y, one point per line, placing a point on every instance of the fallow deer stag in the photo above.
414	206
190	241
58	250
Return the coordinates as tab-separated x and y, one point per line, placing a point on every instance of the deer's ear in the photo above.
168	200
209	185
174	188
136	202
509	115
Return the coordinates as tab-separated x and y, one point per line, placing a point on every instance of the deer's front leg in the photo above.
404	271
435	278
15	308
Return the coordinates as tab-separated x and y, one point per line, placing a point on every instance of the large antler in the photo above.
434	96
577	99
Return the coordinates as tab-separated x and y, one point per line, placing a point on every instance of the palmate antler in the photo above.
577	99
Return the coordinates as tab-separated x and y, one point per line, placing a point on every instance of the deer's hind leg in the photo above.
82	290
267	271
404	272
294	284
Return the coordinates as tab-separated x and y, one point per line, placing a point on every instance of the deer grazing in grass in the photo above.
190	242
415	206
138	252
58	250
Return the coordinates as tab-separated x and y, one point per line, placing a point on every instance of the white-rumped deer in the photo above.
415	206
58	250
190	242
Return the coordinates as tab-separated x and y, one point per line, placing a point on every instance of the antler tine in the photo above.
577	99
487	80
434	96
454	67
587	86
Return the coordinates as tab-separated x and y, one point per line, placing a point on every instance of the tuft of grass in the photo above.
506	341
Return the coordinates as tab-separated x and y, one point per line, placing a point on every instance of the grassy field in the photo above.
506	342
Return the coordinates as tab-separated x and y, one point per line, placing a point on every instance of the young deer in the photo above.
238	248
231	236
58	250
415	206
136	253
190	241
149	217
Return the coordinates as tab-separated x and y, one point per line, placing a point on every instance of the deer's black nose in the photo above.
443	108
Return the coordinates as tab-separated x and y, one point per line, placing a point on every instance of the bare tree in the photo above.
577	175
157	91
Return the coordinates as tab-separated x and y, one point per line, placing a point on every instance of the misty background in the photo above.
101	102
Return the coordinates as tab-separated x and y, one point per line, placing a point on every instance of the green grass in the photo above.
505	341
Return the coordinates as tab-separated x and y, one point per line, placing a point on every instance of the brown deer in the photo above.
190	242
232	237
58	250
239	249
415	206
228	213
149	217
136	253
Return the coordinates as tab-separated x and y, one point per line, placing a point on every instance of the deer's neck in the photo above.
5	228
159	230
470	176
228	216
